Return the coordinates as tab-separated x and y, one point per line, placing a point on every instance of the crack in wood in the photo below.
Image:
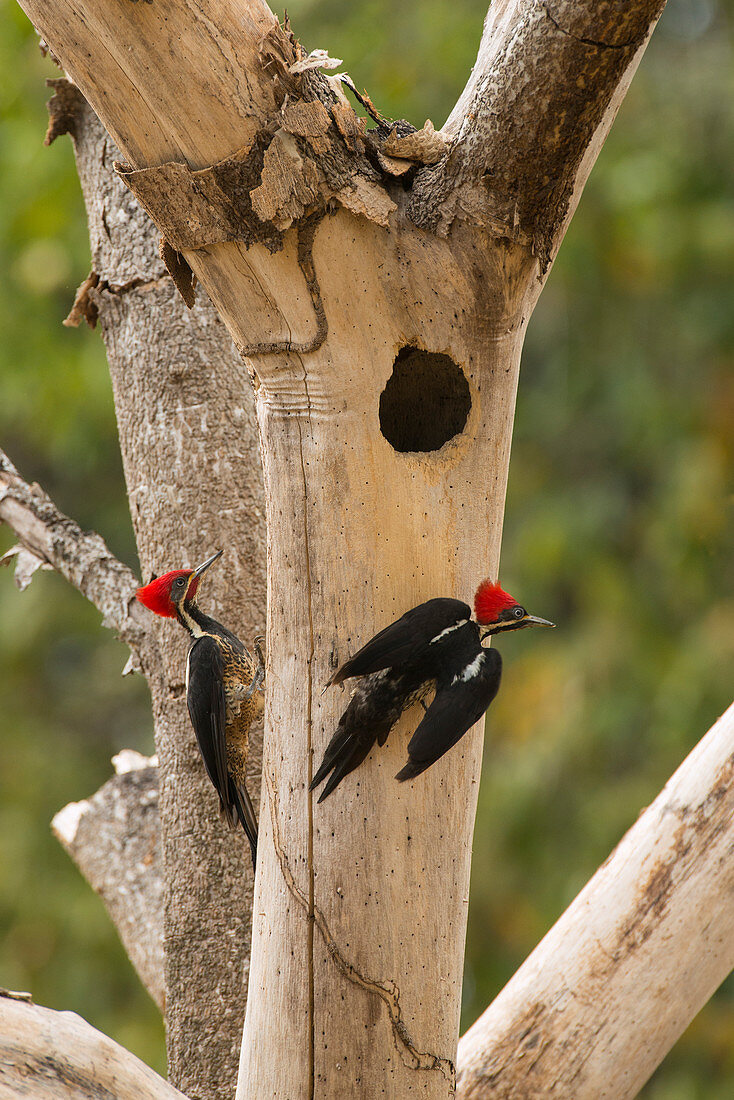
306	233
632	43
309	702
86	306
387	991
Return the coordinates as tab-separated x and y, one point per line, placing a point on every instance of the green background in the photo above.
619	521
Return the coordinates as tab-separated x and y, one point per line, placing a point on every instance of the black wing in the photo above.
376	704
403	639
458	704
208	712
207	709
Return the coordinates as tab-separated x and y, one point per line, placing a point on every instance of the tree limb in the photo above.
82	557
549	77
49	1055
113	836
114	839
604	996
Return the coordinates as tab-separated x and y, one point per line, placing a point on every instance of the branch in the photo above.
114	836
606	994
546	86
114	839
49	538
270	141
59	1056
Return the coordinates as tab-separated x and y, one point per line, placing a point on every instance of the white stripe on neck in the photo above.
190	622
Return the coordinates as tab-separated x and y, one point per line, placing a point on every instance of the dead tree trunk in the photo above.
379	286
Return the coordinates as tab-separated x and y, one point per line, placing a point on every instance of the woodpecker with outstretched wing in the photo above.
434	649
223	690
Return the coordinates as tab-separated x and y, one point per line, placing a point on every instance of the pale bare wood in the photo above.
114	838
143	93
361	902
604	996
49	1055
395	529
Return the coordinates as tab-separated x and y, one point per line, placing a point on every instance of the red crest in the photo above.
156	596
490	600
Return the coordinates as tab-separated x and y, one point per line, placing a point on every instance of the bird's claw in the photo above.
259	677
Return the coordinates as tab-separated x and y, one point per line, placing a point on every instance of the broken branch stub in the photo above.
114	839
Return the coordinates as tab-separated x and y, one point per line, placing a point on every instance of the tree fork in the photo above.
361	902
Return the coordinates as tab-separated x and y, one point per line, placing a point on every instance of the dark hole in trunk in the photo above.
426	401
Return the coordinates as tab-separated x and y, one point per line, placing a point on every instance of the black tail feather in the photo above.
246	815
344	753
334	750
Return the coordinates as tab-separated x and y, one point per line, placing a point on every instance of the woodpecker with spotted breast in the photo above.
435	649
224	689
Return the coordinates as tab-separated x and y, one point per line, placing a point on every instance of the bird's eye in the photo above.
519	612
180	581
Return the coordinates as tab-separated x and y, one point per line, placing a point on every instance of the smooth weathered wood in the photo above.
47	1055
360	906
358	533
604	996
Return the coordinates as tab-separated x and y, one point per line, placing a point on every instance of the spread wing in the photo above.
401	640
458	704
207	709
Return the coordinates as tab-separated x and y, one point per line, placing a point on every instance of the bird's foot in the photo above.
259	678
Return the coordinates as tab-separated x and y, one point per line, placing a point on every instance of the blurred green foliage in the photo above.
620	517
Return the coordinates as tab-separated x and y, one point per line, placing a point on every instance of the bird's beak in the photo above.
205	565
534	620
